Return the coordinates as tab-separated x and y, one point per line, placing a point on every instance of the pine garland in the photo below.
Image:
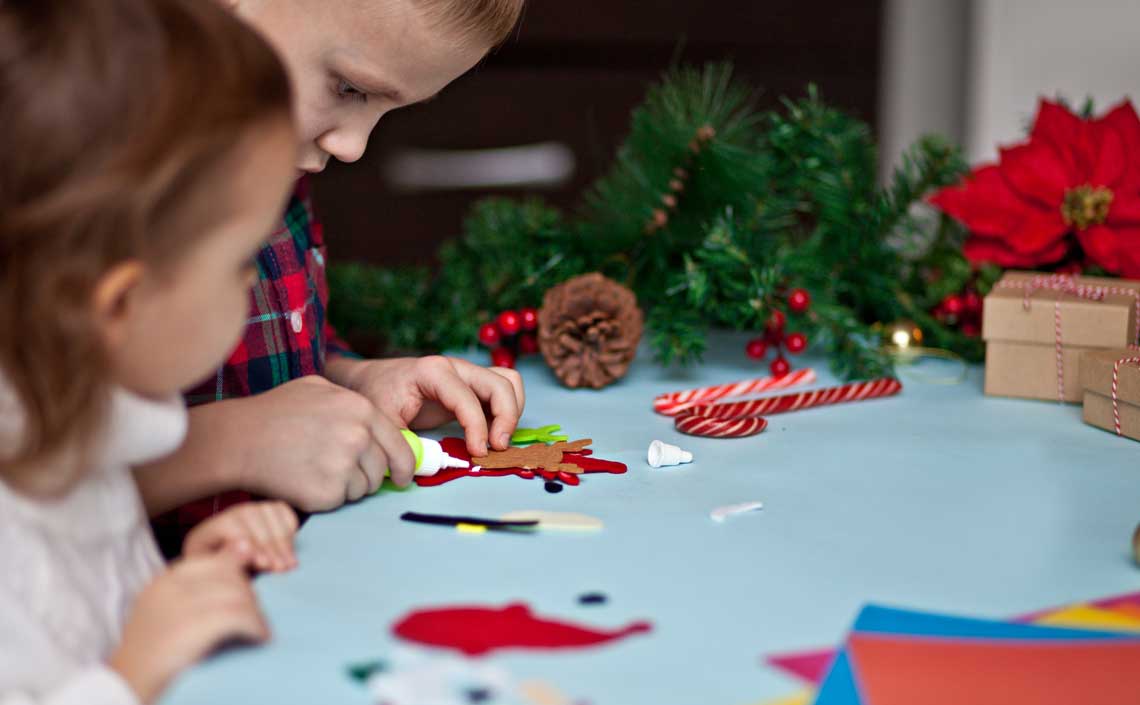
712	212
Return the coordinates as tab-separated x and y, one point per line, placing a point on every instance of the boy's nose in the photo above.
344	145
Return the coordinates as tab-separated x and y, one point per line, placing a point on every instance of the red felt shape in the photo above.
477	630
457	448
922	671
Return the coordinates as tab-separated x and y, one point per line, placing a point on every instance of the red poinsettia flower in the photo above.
1075	180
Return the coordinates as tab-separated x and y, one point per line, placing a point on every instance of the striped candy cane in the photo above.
674	403
743	418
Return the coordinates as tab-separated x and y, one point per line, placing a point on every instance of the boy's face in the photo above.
351	61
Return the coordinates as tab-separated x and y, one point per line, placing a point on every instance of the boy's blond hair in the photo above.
489	21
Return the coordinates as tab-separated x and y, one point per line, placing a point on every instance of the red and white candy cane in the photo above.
1066	284
674	403
744	418
1115	376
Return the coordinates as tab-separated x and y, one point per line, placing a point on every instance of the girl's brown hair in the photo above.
113	114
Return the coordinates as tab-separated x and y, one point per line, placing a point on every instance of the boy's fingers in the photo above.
516	381
455	394
358	483
398	460
373	463
501	395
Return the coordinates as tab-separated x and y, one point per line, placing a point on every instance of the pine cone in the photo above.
588	330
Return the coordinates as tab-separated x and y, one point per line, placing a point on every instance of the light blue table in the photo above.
938	499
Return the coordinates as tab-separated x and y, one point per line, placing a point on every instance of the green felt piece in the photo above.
543	434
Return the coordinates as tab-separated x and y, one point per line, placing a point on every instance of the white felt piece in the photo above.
721	513
556	521
415	678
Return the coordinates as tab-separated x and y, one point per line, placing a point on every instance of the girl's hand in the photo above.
197	605
259	534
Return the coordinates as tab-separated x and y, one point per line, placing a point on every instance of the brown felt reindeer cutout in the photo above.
547	457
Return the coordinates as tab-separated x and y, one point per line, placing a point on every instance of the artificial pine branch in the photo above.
711	213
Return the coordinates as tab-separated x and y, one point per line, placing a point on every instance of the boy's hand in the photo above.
259	533
315	444
197	605
428	391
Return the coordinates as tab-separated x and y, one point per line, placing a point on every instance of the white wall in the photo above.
974	69
924	75
1023	49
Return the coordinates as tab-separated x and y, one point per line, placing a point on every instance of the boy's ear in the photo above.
114	298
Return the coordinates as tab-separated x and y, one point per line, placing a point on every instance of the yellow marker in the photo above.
471	528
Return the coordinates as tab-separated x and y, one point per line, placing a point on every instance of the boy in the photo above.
294	415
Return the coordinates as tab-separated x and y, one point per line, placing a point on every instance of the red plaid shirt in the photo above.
287	336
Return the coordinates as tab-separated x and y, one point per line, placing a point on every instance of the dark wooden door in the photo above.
567	83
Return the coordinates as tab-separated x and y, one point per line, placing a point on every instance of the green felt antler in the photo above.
543	434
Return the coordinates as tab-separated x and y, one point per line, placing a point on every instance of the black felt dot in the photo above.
593	598
363	671
553	487
478	695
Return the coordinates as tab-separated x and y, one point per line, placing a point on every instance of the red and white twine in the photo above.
1067	284
1115	400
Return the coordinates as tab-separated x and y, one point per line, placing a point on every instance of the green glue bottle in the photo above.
430	457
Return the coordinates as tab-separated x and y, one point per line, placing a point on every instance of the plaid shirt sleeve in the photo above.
287	336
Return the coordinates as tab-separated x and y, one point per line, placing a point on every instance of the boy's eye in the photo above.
347	91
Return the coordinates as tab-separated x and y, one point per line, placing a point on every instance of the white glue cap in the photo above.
661	454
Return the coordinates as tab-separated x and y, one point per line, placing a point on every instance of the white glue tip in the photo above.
450	461
721	513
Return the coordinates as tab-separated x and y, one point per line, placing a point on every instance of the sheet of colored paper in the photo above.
876	619
913	628
925	671
1117	613
1086	617
839	687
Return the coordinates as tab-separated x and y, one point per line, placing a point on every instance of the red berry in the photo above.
509	322
529	318
779	367
489	335
756	348
776	321
528	344
952	305
796	343
502	357
799	300
972	302
970	330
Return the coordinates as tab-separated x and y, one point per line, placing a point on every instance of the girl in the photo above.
148	148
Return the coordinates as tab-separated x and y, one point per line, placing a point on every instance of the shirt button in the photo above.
297	321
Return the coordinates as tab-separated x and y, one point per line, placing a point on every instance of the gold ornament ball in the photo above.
902	335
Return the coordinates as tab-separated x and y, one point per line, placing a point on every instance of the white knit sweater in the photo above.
71	567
